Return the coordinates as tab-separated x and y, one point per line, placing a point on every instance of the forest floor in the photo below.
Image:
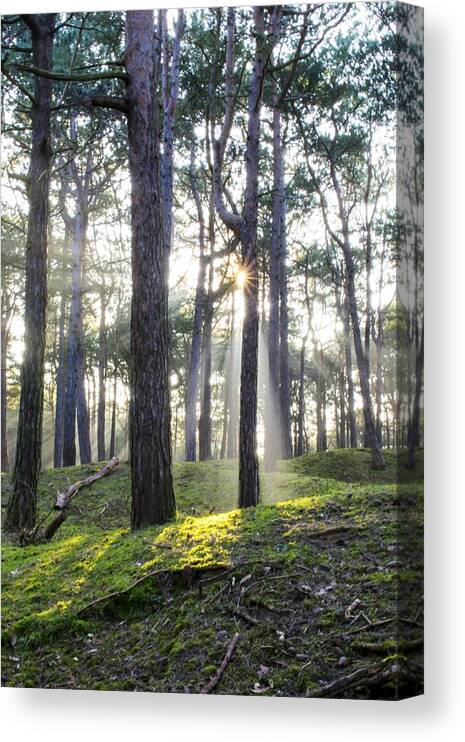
323	582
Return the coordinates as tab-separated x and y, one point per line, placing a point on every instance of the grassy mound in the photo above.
354	465
305	578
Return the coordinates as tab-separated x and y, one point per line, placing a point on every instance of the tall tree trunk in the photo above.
113	415
195	353
248	461
4	392
102	370
82	410
60	387
414	432
245	228
227	386
284	391
369	308
273	438
299	449
349	373
75	360
379	387
170	92
22	505
152	484
205	424
377	455
233	390
342	410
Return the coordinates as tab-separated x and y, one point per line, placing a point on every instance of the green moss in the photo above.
167	634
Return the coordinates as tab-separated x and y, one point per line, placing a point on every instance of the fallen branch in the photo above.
64	498
246	616
188	575
371	675
375	648
215	679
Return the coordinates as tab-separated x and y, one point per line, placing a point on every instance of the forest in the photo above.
212	324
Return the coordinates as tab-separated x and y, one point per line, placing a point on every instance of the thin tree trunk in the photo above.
227	388
170	91
205	425
102	368
152	484
22	505
273	438
194	358
414	432
233	390
342	410
301	405
248	461
349	373
74	360
4	392
284	391
369	308
377	455
60	387
113	414
82	411
245	228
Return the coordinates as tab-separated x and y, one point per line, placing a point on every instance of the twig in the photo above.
215	679
411	622
246	616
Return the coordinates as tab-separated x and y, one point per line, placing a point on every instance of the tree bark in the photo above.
194	358
285	400
74	360
414	432
170	90
102	369
248	461
113	415
4	390
342	410
205	424
245	228
82	410
233	390
60	387
299	449
377	455
22	506
273	437
152	485
349	373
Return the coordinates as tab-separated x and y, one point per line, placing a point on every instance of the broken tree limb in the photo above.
376	648
371	675
215	679
189	576
64	498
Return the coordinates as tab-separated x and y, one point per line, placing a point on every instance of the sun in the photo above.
241	278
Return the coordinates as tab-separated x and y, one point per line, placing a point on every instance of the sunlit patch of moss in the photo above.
197	542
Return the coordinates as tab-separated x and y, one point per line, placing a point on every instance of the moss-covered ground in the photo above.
313	579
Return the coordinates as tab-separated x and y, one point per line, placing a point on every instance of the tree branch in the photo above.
73	77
